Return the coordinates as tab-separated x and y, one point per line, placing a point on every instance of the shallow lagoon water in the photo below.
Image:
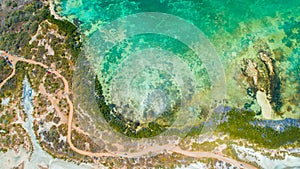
237	29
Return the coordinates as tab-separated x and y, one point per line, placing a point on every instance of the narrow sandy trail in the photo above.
175	149
52	99
13	67
9	77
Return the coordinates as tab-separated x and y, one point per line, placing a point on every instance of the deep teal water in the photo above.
208	15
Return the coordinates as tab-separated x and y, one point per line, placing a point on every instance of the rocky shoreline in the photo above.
278	125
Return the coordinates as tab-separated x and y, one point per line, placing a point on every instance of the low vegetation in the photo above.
238	126
19	25
5	69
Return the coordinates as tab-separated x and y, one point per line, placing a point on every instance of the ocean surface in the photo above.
236	29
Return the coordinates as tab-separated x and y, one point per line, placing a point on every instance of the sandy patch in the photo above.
5	101
252	155
264	104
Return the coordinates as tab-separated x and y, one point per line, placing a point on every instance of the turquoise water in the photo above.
238	29
209	16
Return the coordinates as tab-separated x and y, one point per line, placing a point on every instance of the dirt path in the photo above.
9	77
174	149
12	73
52	99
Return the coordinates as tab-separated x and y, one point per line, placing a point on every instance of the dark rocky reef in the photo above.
262	76
275	83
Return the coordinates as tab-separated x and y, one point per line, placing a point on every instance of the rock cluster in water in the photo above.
262	76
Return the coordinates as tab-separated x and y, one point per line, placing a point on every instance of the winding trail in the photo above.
175	149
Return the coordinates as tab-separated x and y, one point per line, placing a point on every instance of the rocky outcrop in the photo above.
263	56
274	86
251	71
262	76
